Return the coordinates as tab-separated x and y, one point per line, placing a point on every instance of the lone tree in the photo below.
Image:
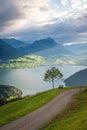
52	75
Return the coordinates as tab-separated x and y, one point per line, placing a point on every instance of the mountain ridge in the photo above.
39	45
7	51
14	42
77	79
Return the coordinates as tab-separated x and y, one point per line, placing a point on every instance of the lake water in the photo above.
30	81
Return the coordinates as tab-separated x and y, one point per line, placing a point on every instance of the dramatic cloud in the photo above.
9	12
19	13
65	21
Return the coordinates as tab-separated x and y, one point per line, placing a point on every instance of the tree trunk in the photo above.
53	83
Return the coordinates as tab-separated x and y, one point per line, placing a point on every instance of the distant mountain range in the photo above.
15	43
56	51
78	48
39	45
77	79
47	48
7	51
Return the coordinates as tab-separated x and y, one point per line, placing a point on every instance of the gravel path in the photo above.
37	118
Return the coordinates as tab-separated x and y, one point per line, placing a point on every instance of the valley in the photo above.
17	54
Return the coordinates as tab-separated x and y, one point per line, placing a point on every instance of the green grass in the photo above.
14	110
73	117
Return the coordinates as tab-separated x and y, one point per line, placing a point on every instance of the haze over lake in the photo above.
30	81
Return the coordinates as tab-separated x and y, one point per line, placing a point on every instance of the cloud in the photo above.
35	19
9	12
69	44
20	13
64	2
44	9
74	43
71	28
77	4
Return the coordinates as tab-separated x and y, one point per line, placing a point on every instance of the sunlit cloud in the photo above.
77	4
69	44
73	43
64	2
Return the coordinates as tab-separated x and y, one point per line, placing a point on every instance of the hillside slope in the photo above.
55	51
77	79
7	91
79	48
15	43
39	45
7	51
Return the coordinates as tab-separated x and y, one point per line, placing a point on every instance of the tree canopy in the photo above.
52	75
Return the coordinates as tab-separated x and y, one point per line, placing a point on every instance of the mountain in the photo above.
79	48
39	45
82	49
47	48
57	51
77	79
7	51
7	91
50	50
15	43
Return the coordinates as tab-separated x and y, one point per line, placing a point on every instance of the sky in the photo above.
29	20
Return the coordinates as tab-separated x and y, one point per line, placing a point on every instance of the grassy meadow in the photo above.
16	109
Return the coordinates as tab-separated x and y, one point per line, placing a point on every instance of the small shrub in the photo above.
3	101
60	87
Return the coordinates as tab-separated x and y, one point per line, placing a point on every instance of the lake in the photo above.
30	81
